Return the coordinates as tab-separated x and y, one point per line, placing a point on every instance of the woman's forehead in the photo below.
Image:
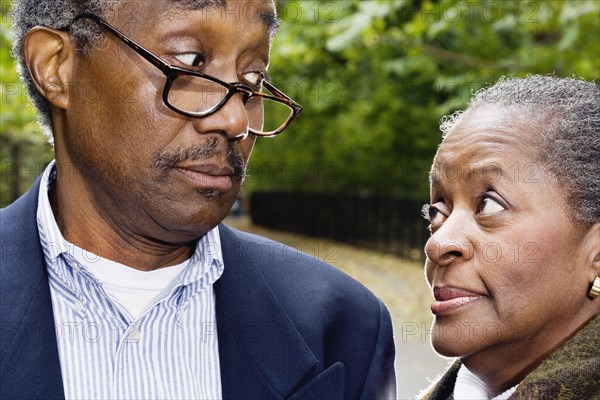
490	129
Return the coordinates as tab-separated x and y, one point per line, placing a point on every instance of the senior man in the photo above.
117	278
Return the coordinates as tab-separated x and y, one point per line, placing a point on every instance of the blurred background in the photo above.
347	180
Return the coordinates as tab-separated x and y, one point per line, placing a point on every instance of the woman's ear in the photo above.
49	56
592	242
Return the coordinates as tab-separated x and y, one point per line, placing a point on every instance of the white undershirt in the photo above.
469	387
133	289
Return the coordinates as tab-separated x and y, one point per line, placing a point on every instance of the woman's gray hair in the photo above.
568	111
55	14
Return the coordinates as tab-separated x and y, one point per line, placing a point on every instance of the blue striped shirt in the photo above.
169	352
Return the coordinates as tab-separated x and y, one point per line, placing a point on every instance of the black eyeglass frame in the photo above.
172	72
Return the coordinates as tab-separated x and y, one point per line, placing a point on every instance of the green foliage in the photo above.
375	77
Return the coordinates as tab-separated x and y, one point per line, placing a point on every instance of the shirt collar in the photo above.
206	264
52	240
469	386
208	252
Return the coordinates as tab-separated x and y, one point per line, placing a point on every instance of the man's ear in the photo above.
49	56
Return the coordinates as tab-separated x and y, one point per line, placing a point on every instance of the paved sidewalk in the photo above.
401	285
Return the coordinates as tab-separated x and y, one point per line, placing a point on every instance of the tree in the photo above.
375	77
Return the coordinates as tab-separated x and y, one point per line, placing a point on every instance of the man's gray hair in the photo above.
59	14
55	14
567	111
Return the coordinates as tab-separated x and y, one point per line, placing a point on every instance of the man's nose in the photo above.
451	242
231	120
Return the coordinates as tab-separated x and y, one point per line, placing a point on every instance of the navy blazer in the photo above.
289	326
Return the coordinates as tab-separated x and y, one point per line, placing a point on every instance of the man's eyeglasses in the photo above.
197	95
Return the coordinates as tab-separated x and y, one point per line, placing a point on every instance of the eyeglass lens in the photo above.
196	95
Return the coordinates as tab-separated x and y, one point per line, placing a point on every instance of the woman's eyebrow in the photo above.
487	171
448	171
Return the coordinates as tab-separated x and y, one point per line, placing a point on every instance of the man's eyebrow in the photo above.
272	22
270	19
199	4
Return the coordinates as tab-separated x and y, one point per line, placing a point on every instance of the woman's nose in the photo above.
451	241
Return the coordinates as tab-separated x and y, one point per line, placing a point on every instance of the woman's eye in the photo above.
255	78
434	214
191	59
490	206
436	217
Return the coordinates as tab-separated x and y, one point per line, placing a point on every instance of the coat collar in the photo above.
261	351
26	317
570	370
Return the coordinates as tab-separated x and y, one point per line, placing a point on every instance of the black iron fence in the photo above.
388	224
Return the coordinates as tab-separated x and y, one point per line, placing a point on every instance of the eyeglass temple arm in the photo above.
147	54
166	68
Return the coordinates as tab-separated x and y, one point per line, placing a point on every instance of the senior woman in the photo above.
514	253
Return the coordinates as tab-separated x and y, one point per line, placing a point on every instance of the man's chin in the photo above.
210	194
181	213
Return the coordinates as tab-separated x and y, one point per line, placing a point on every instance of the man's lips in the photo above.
450	298
208	176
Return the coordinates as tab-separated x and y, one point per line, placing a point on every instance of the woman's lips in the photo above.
450	298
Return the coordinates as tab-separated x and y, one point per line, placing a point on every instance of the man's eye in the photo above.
255	79
489	206
191	59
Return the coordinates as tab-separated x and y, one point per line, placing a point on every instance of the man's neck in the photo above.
99	233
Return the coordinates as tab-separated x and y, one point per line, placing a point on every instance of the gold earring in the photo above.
595	290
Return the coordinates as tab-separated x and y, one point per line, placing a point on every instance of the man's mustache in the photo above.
170	159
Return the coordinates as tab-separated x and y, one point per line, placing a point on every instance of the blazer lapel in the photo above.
29	362
262	354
